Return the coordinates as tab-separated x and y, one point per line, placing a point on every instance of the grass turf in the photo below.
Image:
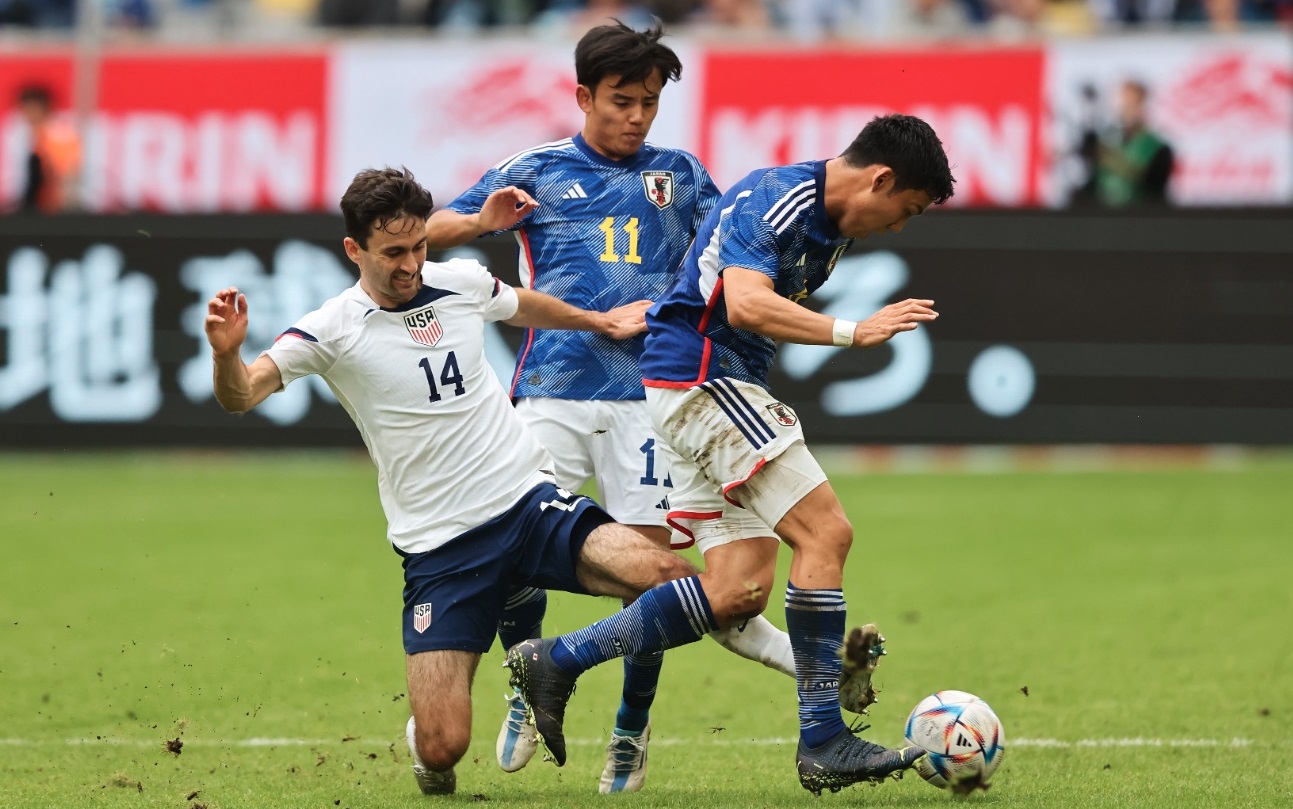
247	606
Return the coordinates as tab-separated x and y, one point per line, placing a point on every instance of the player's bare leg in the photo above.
439	731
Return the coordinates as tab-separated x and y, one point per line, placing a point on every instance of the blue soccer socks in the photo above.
815	623
673	614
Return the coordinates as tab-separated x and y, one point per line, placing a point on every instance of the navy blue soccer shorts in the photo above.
454	594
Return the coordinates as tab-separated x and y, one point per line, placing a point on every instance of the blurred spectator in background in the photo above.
1226	15
130	13
54	159
575	18
1017	19
1134	164
737	15
1117	13
38	13
357	13
931	19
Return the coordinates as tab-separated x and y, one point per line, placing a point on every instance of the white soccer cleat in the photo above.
429	781
626	763
518	739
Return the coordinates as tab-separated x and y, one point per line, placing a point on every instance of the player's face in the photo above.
617	119
390	268
875	207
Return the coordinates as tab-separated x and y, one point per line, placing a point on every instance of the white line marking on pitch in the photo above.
262	741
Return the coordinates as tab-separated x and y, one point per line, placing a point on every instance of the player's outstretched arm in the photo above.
536	310
238	387
753	305
501	211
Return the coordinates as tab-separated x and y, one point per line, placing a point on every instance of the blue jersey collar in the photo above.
601	159
823	221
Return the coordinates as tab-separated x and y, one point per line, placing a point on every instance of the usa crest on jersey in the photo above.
659	187
424	327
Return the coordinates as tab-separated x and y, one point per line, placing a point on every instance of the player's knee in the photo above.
736	601
667	566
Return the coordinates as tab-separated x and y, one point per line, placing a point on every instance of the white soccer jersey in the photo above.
451	452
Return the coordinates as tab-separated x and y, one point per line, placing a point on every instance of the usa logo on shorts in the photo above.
424	327
421	617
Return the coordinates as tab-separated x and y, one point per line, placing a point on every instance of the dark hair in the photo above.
617	50
377	197
35	94
909	146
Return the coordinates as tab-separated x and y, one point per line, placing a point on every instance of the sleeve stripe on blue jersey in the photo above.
790	220
790	198
294	332
551	145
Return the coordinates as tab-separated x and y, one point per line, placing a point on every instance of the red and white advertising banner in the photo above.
53	70
452	110
763	108
224	131
1225	104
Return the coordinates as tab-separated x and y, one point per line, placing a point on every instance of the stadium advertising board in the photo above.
476	104
1224	104
247	132
285	130
224	131
761	108
1165	329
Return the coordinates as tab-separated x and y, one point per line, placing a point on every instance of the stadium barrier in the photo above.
1160	327
1012	117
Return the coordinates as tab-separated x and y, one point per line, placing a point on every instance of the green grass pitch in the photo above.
247	606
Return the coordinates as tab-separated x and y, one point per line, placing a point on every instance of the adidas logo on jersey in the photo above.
575	191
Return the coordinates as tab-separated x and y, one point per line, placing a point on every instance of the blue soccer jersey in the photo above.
774	222
606	233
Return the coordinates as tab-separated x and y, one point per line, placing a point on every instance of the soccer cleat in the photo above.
429	781
626	763
862	651
518	740
545	688
845	759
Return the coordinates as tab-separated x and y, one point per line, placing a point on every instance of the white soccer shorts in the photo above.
610	443
719	434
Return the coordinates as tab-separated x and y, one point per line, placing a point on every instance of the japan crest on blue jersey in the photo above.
606	233
774	222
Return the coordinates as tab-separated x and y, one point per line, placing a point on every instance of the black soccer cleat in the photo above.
546	689
845	760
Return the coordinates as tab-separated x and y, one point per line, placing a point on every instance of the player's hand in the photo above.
896	317
226	323
504	208
626	321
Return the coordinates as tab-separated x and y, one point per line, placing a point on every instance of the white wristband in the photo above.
842	332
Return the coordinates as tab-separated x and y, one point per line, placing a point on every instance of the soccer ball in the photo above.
963	738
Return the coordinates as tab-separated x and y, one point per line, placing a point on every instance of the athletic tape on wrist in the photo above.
842	332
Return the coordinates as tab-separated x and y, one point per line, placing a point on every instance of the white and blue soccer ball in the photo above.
963	738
